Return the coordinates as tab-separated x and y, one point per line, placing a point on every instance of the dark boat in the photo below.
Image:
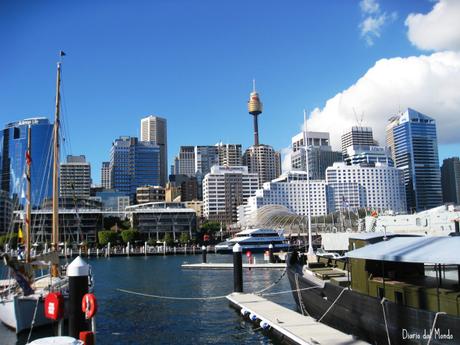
381	293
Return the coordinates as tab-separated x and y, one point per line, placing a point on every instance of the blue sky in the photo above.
189	61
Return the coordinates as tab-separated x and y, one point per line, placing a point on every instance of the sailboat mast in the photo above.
55	230
28	195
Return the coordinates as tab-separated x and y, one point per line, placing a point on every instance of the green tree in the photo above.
105	237
130	235
168	239
184	238
210	227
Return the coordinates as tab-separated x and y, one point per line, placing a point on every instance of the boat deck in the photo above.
289	325
220	266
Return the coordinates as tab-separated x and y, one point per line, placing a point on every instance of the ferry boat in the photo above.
387	290
254	240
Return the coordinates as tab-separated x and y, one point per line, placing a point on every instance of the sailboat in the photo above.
21	304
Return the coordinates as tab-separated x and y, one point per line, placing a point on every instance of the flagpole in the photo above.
28	195
310	244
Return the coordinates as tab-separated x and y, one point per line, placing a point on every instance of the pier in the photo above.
288	325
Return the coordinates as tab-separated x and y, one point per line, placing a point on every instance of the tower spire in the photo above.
255	109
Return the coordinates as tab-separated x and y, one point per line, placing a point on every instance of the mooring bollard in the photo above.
204	252
270	254
237	269
78	272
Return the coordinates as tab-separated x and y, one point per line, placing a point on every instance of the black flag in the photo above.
61	53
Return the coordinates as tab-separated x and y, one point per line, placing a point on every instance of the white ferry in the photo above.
255	240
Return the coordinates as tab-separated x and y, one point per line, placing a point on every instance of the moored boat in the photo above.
385	292
255	240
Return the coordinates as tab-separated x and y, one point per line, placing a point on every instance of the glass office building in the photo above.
133	164
411	137
13	146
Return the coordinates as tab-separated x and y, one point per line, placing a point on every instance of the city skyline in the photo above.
136	70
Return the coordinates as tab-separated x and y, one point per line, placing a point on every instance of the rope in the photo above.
303	310
271	285
33	320
385	319
434	324
333	303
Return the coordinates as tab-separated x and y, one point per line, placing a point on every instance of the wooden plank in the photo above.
218	266
296	327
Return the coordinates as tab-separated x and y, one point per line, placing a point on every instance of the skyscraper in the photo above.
450	177
154	130
263	160
320	155
411	137
13	145
75	180
105	175
357	136
134	164
229	154
184	163
205	158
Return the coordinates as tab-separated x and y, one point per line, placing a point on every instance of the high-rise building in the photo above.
13	146
6	212
230	154
320	154
289	190
205	158
106	182
357	136
411	137
368	155
264	161
184	164
154	130
379	187
134	164
450	176
226	188
75	179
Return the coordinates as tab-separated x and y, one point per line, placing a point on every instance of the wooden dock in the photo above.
221	266
288	325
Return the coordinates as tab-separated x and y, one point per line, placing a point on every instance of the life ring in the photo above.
89	305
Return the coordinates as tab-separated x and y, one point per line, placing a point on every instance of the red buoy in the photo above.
89	305
54	306
87	337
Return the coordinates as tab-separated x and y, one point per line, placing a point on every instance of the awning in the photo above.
432	250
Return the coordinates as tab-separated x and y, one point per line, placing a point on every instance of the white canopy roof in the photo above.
433	250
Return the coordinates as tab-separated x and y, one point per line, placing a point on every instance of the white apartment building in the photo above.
289	190
75	178
378	187
226	188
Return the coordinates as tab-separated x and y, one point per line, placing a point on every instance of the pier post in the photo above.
65	249
237	269
89	252
185	249
204	252
270	254
164	247
77	272
145	248
108	249
127	249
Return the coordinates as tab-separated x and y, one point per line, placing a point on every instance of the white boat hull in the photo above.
18	312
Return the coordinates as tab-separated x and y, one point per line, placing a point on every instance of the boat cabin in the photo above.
419	272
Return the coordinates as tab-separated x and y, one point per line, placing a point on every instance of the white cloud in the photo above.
374	20
369	6
438	29
429	84
286	159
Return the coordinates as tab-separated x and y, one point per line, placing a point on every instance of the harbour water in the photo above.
131	319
